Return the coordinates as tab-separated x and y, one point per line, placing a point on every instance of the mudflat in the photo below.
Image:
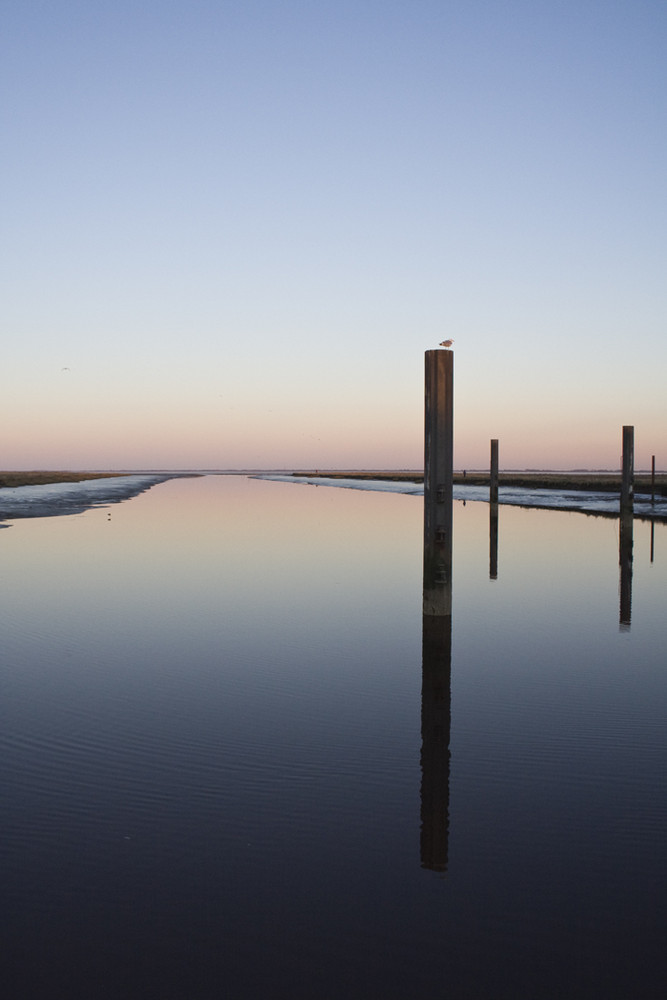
587	481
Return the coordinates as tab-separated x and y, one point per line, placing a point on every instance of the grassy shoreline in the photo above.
596	482
42	478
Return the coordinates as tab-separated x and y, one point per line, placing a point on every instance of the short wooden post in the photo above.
628	470
438	481
493	476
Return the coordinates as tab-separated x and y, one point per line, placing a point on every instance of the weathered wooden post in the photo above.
652	480
628	470
493	514
493	475
438	481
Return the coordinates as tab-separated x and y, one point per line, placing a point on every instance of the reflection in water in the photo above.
436	723
493	541
188	784
625	562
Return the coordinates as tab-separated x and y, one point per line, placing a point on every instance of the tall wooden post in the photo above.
438	481
652	479
493	475
626	525
628	471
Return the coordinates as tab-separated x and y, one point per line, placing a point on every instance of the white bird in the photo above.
446	343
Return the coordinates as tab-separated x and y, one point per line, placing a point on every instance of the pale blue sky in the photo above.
239	225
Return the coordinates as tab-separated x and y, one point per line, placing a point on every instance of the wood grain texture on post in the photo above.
493	472
628	470
438	480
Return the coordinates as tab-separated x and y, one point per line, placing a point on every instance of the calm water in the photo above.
234	764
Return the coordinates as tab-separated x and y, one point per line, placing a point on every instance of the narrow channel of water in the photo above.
234	763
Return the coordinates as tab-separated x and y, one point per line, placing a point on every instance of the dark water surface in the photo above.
233	764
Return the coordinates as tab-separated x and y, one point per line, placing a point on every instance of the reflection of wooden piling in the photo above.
625	561
435	754
628	470
493	475
493	541
438	481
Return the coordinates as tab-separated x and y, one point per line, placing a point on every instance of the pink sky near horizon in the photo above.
231	231
371	430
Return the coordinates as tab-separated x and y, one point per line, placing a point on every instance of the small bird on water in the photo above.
446	343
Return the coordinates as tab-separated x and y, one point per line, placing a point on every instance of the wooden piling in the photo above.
628	470
652	479
438	481
493	474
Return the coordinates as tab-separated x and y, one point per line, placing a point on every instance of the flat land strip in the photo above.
40	478
590	482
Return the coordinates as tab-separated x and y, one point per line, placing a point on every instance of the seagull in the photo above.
446	343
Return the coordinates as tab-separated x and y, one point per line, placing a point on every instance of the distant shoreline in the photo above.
10	480
48	493
606	482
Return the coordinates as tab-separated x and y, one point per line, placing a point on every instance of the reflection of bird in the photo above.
446	343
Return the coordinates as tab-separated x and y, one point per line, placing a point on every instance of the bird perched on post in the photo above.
446	343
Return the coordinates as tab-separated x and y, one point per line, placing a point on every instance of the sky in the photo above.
232	228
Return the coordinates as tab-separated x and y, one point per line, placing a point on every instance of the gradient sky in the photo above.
231	228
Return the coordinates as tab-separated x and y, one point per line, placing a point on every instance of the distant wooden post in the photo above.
628	470
438	481
493	477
